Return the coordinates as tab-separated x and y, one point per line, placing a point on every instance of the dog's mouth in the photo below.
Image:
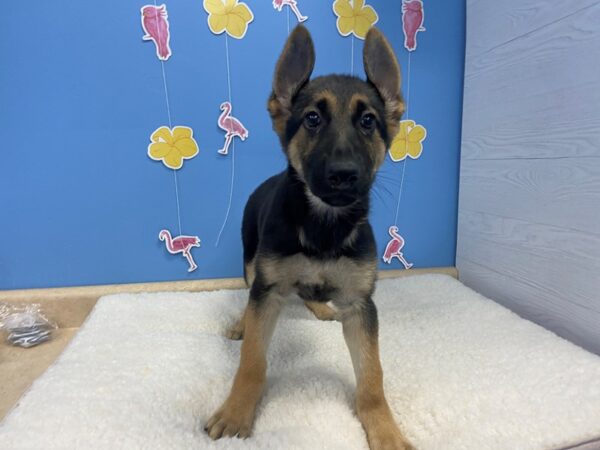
328	200
339	199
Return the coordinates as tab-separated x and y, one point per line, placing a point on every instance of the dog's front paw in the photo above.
226	422
388	438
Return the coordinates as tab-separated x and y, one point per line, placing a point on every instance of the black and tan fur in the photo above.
306	230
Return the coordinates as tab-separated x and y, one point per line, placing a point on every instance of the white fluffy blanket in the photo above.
461	372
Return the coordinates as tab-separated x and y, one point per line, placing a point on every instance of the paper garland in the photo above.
232	127
155	22
293	5
413	16
410	137
172	146
408	141
168	144
394	248
230	16
354	17
181	244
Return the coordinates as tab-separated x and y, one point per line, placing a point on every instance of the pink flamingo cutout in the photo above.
231	126
394	248
293	4
181	244
156	26
412	22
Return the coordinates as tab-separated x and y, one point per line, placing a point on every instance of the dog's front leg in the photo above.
360	327
236	415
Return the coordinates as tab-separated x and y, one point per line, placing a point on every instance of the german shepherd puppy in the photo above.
306	230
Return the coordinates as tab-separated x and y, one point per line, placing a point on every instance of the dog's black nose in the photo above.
342	175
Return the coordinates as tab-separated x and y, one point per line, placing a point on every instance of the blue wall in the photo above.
80	201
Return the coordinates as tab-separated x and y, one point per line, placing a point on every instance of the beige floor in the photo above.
69	307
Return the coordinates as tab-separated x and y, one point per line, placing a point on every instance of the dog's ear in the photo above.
383	72
292	71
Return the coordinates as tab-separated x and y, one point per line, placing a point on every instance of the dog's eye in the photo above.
312	120
367	121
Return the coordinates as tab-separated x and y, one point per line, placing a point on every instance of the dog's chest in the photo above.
320	280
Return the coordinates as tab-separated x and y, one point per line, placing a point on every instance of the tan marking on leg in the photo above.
236	416
250	272
372	407
321	310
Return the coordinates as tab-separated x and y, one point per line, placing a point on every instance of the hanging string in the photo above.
406	157
162	63
352	56
168	103
233	146
288	19
164	77
177	200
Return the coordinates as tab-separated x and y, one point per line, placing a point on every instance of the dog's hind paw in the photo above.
322	311
234	334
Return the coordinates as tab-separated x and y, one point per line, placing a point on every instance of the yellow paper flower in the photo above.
353	16
228	15
172	147
408	141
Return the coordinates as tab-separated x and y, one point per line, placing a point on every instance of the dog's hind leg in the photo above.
321	310
360	327
236	415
